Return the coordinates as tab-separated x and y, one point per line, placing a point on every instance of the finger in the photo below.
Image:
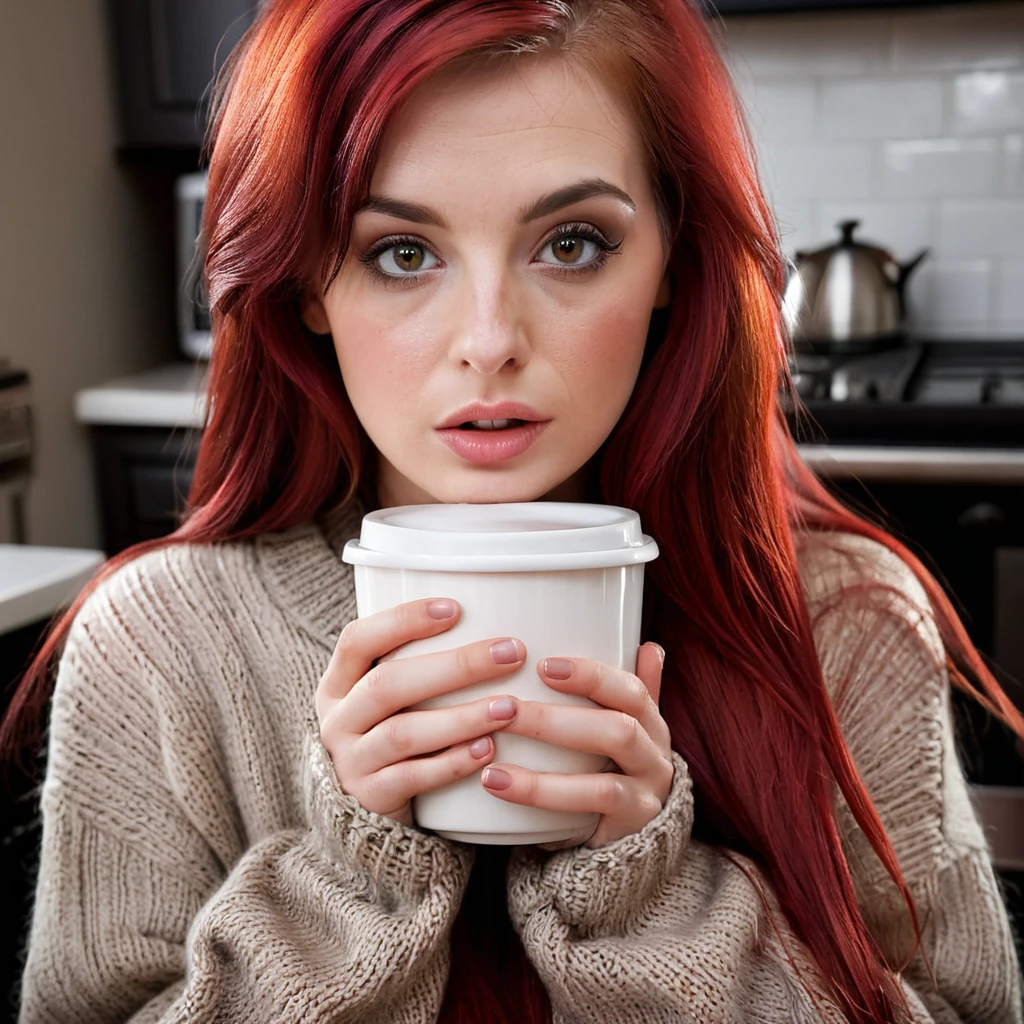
567	844
594	730
613	796
364	640
415	733
396	784
393	685
650	659
611	688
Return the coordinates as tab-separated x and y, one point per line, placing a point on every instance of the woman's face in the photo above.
510	253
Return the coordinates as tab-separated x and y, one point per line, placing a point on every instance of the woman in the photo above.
420	210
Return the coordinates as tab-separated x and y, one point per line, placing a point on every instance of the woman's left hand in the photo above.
627	728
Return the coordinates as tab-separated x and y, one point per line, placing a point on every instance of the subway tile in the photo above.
816	170
981	228
939	167
987	37
951	292
781	111
885	108
1009	288
985	102
1013	164
820	44
904	228
796	226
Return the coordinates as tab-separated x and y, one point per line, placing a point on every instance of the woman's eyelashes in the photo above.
572	250
578	248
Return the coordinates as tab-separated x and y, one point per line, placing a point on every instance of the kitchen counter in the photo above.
37	581
169	396
172	396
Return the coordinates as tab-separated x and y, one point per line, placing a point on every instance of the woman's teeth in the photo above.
492	424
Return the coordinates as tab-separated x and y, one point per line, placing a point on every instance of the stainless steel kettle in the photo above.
847	297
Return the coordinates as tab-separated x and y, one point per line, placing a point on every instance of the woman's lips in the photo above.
488	446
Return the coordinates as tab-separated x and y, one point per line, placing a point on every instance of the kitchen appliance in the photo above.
193	312
847	297
15	446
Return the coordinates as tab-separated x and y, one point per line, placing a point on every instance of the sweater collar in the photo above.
305	574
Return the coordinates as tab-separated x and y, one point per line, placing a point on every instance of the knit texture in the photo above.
200	862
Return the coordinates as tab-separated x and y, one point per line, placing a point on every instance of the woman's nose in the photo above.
489	327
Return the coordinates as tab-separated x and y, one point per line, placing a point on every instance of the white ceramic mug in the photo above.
566	579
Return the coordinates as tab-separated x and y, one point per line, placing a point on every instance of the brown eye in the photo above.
575	250
403	259
568	249
408	257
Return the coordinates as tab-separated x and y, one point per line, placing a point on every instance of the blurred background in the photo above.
890	142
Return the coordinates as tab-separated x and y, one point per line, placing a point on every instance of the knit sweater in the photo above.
200	862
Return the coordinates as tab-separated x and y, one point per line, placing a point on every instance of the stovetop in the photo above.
925	392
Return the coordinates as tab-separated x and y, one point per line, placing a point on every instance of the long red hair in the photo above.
702	452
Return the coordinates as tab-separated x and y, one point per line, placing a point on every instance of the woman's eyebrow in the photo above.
543	206
574	193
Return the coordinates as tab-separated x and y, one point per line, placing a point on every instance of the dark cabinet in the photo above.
167	53
144	475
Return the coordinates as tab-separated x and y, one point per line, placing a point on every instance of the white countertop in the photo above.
169	396
173	396
37	581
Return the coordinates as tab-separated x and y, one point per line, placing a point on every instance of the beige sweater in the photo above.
201	864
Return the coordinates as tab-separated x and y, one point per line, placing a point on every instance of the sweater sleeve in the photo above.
884	663
137	917
661	927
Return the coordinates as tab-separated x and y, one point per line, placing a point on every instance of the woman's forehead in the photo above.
521	129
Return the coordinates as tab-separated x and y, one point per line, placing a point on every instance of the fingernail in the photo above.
557	668
660	650
495	778
441	608
502	708
480	747
505	652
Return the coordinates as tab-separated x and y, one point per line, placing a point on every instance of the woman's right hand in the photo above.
384	755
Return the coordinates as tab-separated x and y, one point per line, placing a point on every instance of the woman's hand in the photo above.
384	755
627	728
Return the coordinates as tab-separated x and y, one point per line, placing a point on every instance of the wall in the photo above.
79	267
911	121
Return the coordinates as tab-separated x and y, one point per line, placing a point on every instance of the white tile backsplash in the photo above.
981	227
987	101
877	108
911	122
939	168
824	43
1013	162
982	37
822	170
1009	287
782	111
955	293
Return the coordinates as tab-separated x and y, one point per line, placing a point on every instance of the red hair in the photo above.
702	451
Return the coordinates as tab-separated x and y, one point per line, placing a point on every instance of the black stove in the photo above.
924	393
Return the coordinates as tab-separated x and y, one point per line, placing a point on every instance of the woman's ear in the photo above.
664	296
314	316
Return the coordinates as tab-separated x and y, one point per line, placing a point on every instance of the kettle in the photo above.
848	297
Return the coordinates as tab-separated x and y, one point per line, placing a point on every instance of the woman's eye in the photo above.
405	258
570	250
